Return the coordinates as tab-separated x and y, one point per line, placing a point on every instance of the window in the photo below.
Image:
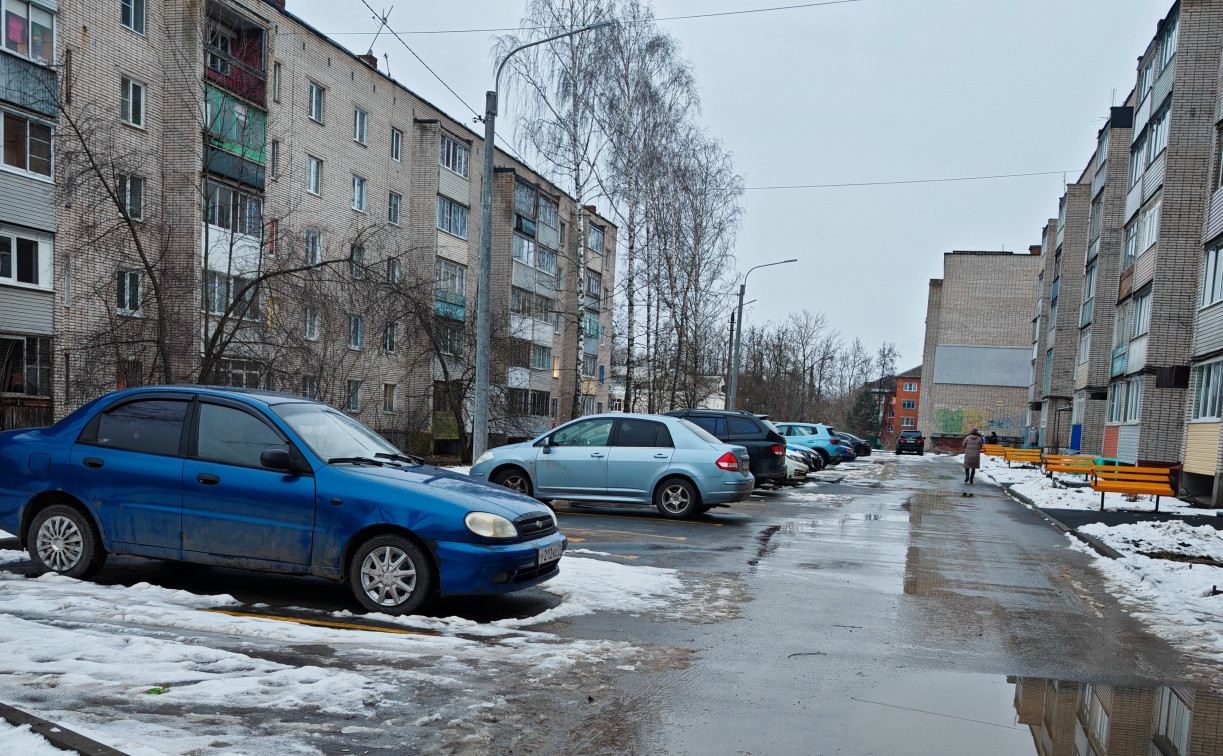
910	386
1212	281
216	292
1173	723
1167	41
634	432
585	433
356	331
1102	149
132	102
27	144
29	30
547	212
590	364
396	144
389	338
234	437
245	294
518	402
1149	226
314	175
1116	401
354	396
545	260
524	249
1207	387
317	102
392	209
131	194
1133	400
522	302
132	15
220	47
314	248
541	357
1084	344
908	404
128	300
451	277
908	422
358	193
524	200
1131	245
310	332
1121	325
360	120
454	156
451	217
1146	78
275	82
1157	136
1138	161
388	397
539	403
21	260
1089	294
594	239
26	365
154	426
1097	214
594	284
392	270
1142	314
356	261
520	353
233	210
274	160
309	387
449	337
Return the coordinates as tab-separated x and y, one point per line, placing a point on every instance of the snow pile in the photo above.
592	585
20	740
1176	599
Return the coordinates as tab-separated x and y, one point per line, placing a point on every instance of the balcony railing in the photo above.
448	305
1120	359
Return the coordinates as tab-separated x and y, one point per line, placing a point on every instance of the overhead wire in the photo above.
903	181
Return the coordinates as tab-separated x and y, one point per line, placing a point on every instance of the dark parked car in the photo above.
264	481
860	447
910	441
765	446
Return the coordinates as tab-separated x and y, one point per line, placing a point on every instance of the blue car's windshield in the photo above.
330	433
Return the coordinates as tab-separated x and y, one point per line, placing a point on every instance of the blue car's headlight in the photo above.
488	525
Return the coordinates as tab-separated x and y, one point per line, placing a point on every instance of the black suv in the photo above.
910	440
765	446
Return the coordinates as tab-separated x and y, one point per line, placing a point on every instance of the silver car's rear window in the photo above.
701	433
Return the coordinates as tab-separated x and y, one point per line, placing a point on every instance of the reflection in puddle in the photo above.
1081	718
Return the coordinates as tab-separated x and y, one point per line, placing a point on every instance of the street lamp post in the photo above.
734	366
479	421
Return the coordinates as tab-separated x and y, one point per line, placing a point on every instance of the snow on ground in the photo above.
1173	598
1048	493
20	741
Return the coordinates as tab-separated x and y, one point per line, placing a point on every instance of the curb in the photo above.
60	737
1101	548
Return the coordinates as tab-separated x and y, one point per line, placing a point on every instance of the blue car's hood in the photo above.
454	488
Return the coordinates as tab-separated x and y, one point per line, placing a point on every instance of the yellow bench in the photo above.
994	450
1025	456
1152	481
1068	463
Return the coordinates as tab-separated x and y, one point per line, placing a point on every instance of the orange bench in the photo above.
1025	456
1151	481
994	450
1068	463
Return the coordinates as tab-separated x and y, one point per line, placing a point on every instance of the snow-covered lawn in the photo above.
1175	598
20	741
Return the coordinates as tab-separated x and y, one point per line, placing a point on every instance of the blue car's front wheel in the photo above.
391	574
63	539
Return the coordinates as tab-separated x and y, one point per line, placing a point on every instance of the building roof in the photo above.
911	373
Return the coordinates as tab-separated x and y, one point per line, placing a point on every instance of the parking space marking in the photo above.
324	623
632	533
640	519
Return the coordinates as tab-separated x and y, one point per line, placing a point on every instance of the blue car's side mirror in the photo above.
278	459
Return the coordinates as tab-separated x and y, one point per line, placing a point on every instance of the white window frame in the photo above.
314	247
908	404
128	277
43	259
1157	136
1133	400
450	206
908	422
356	332
1149	220
132	198
396	145
1142	315
137	19
1212	276
1168	40
360	199
128	111
910	386
310	330
318	102
314	176
390	338
1138	161
24	170
274	159
275	81
1208	392
392	208
454	156
353	402
360	126
1084	344
389	391
1116	402
392	270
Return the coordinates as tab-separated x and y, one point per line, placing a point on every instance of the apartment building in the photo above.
977	352
899	405
290	217
1081	718
29	86
1176	100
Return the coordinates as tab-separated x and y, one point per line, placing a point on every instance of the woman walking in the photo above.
972	454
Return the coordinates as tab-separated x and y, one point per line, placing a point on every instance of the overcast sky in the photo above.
869	90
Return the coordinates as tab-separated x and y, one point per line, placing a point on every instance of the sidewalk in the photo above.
62	738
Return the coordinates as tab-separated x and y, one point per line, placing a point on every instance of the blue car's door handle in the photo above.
596	454
93	462
208	479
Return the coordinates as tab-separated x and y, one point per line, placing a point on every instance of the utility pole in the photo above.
732	400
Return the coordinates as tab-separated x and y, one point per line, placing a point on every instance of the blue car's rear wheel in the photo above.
63	539
676	499
391	574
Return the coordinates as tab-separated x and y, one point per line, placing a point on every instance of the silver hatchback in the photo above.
641	459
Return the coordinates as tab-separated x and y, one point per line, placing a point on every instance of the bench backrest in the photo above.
1023	455
1069	460
994	450
1132	474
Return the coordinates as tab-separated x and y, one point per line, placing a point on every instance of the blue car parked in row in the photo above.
264	481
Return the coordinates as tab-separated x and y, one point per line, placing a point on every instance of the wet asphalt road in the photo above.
887	613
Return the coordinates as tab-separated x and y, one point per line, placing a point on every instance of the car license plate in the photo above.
550	553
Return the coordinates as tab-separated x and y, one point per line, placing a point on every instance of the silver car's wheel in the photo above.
676	499
514	479
63	539
390	573
60	544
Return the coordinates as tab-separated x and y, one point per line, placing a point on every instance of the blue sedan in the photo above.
264	481
642	459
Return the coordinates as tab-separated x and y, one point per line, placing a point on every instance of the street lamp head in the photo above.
792	259
600	25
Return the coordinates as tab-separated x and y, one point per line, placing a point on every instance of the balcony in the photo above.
452	306
235	54
25	83
1086	312
1120	359
1056	287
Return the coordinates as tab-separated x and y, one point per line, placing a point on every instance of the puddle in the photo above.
873	516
